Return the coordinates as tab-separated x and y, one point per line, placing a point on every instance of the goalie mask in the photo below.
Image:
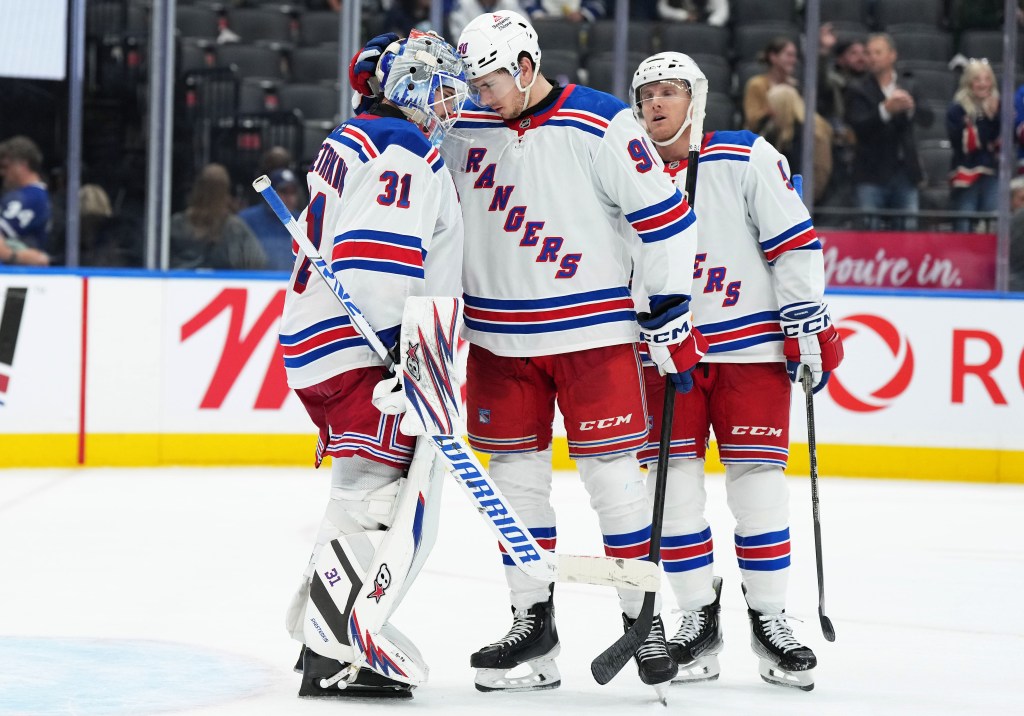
424	77
675	70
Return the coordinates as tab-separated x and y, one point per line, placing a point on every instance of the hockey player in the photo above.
545	175
758	286
384	214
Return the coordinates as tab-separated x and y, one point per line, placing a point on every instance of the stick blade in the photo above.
826	626
610	662
609	572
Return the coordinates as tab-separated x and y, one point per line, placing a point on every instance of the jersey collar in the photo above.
534	119
674	168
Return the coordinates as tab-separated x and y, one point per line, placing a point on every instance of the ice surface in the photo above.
133	592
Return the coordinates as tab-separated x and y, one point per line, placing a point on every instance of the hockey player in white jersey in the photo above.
545	175
384	215
758	285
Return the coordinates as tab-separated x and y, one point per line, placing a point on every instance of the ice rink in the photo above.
131	592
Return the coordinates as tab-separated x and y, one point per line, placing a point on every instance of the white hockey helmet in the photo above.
426	79
662	67
494	41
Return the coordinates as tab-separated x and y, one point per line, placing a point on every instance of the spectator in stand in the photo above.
571	10
882	108
25	203
106	239
711	12
406	15
208	234
15	253
840	63
972	122
276	158
261	219
781	57
465	10
784	130
1017	234
1018	131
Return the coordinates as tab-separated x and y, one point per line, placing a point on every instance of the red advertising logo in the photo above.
239	347
902	364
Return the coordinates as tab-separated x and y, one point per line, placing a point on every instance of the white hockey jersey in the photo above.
384	214
547	262
757	249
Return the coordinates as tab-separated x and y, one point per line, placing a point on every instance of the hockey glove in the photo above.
363	66
388	396
810	340
674	344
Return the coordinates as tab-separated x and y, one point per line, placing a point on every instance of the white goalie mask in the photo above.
494	41
673	67
425	78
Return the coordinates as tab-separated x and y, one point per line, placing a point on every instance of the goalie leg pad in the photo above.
363	495
360	579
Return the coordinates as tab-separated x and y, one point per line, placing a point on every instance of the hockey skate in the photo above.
323	677
698	641
652	659
784	660
533	642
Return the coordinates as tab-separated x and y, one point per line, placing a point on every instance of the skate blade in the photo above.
705	668
662	691
803	680
543	675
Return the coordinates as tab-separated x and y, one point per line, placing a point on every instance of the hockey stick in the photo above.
610	662
812	448
464	466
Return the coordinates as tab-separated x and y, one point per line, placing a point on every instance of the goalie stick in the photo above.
464	466
812	447
610	662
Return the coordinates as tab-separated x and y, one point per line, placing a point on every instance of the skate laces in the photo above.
654	646
691	624
778	631
522	624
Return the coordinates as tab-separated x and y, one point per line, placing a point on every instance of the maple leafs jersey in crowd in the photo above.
384	214
25	215
757	248
547	262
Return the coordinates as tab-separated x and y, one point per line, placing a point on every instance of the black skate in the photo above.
784	660
532	641
324	677
653	662
698	641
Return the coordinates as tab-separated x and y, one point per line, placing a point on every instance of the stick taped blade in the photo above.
609	572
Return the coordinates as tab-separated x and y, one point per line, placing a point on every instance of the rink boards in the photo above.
139	369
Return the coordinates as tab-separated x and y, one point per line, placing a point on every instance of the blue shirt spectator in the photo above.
25	203
276	242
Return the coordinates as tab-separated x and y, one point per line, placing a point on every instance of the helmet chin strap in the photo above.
675	137
526	89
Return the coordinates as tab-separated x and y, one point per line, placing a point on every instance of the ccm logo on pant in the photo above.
756	430
606	422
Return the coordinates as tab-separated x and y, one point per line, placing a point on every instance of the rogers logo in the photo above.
903	364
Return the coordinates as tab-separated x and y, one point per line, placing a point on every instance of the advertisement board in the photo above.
187	370
908	259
